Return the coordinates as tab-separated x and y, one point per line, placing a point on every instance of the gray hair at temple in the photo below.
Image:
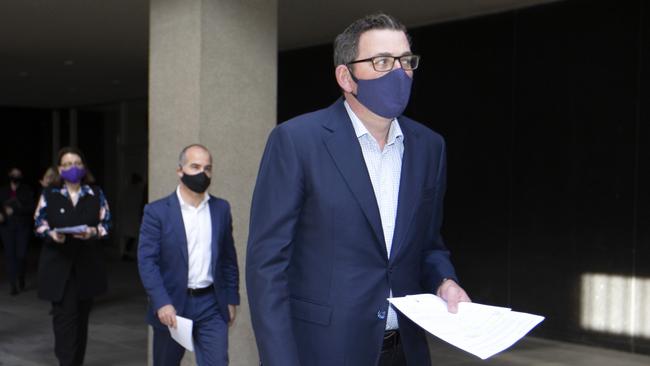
346	44
182	157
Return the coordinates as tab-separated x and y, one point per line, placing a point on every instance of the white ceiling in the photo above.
58	53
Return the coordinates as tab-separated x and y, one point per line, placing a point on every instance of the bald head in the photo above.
182	157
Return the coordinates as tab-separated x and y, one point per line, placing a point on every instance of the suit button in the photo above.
381	314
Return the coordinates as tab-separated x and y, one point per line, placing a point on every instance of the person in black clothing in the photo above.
16	207
71	268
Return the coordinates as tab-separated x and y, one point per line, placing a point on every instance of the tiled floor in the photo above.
118	334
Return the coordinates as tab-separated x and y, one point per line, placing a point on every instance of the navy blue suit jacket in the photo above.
163	262
318	274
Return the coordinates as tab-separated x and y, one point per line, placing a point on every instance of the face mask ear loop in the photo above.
353	78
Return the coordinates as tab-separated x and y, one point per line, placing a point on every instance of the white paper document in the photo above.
481	330
79	229
183	333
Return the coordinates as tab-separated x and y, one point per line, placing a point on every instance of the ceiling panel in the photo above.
73	52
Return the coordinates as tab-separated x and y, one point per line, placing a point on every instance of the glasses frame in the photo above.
371	60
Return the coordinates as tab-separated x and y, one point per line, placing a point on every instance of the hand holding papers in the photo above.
183	333
481	330
79	229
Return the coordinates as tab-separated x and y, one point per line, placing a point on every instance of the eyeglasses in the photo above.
385	63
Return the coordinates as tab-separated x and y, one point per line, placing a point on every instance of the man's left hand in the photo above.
452	293
232	310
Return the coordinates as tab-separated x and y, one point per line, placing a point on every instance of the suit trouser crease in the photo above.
209	333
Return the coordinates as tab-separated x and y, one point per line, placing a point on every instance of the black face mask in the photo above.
198	183
15	180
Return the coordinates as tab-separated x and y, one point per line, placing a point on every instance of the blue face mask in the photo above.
386	96
73	174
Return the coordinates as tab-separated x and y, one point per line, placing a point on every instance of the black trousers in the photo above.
392	353
70	323
15	238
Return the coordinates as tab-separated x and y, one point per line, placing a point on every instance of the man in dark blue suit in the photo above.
347	212
188	264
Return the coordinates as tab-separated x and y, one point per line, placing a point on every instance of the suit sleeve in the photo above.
436	264
229	267
275	210
149	257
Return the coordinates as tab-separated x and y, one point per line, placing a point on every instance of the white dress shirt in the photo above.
198	231
385	169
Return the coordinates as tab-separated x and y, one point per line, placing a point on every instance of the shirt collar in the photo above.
184	204
83	190
394	133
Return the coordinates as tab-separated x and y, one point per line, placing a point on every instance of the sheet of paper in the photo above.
481	330
183	333
72	229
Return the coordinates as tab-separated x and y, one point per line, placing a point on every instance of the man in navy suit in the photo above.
347	212
188	264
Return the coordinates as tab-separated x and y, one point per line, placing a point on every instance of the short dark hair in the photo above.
346	44
87	179
14	168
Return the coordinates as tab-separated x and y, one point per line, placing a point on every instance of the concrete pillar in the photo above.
213	67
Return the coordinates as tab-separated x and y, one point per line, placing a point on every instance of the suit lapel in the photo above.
343	146
216	231
409	188
176	219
